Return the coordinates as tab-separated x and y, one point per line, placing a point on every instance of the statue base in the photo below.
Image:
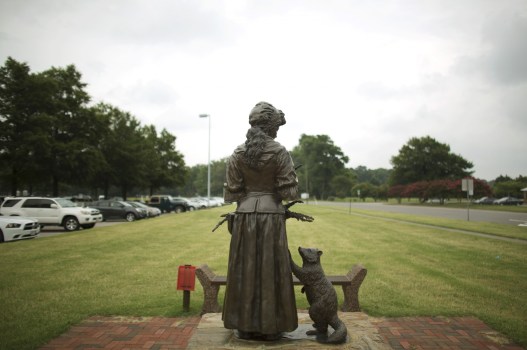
362	334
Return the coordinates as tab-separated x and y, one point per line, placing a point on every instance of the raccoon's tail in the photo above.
341	332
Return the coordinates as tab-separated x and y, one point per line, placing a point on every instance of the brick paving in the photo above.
161	333
422	333
127	333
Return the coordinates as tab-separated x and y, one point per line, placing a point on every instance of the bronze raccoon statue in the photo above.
321	295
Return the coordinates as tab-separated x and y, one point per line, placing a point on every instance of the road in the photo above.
500	217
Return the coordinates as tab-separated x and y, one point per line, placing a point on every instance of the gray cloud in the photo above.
428	84
127	22
507	58
503	57
451	69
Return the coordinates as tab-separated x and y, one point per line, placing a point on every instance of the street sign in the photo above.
468	185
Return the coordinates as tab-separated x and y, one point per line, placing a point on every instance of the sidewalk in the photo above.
118	333
422	333
158	333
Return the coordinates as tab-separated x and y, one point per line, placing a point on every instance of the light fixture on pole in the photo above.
208	172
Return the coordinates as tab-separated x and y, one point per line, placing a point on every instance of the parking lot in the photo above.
48	231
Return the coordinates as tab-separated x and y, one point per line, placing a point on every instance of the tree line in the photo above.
54	142
424	168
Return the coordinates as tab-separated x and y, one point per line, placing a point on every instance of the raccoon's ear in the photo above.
319	252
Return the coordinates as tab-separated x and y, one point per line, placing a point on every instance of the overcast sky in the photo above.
370	74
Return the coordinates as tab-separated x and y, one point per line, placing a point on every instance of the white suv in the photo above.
52	211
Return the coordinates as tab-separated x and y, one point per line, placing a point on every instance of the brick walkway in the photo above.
158	333
119	333
421	333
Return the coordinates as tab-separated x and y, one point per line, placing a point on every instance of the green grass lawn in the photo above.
49	284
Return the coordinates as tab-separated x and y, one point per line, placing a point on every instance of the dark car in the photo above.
485	200
508	201
150	211
168	203
118	210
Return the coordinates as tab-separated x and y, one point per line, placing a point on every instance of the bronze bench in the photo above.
350	283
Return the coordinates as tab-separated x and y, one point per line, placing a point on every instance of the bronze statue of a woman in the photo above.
259	299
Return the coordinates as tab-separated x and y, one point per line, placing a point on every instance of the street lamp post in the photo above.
208	172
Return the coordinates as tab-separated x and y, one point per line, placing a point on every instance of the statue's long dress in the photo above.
259	296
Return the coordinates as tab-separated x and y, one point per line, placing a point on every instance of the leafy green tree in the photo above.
195	183
17	156
425	159
502	178
366	190
510	187
64	146
341	185
50	139
125	154
165	164
382	192
46	128
217	177
374	176
196	180
321	161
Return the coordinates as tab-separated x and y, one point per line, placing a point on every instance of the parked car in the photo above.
52	212
508	201
436	201
219	200
150	211
167	203
196	203
13	228
485	200
188	205
111	209
211	202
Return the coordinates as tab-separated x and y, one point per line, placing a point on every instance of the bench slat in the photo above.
338	280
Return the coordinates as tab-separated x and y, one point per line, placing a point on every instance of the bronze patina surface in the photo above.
259	298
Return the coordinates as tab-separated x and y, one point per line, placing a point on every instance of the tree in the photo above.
195	183
364	190
374	176
397	191
425	159
45	128
217	176
321	161
50	139
165	164
440	189
506	186
502	178
341	184
16	82
69	130
125	154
